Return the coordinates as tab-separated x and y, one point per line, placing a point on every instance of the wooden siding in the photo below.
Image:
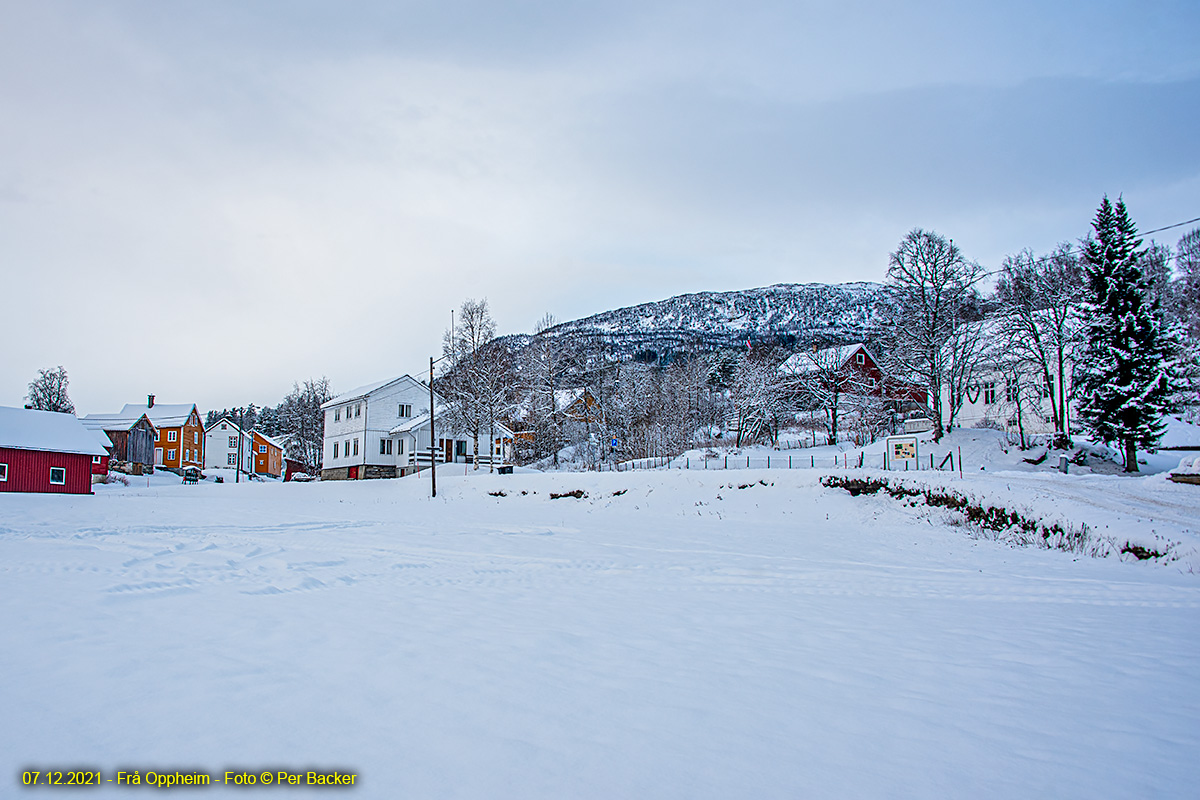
29	471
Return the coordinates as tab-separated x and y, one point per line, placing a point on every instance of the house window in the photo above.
1010	390
989	393
170	455
356	446
96	459
358	409
3	472
460	448
337	415
346	448
222	426
172	436
1048	388
233	441
262	448
58	475
401	451
335	449
195	437
231	459
405	410
860	358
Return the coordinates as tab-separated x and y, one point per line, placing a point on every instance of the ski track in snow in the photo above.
685	639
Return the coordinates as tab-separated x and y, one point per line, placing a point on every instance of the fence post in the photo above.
812	459
726	462
747	462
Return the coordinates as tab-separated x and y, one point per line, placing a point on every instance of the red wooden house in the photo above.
855	370
42	451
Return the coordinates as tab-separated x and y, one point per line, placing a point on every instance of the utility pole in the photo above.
432	440
237	470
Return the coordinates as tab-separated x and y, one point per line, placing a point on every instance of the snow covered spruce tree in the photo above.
931	286
48	391
1126	373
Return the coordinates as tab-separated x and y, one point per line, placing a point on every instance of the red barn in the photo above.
41	451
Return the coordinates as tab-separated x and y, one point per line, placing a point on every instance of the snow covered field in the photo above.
670	635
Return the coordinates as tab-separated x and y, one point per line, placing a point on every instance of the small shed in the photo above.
43	451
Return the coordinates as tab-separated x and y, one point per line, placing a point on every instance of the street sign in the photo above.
614	444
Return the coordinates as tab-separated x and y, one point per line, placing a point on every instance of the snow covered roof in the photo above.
267	439
415	423
110	422
815	361
363	391
101	437
1181	435
421	420
224	420
25	429
169	415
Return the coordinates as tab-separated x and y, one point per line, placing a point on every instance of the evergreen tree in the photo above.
1128	367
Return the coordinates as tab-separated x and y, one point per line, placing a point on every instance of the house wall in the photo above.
270	462
1037	416
188	446
29	471
217	448
139	444
379	413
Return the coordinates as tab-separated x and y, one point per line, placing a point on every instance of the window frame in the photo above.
62	482
172	436
335	449
3	472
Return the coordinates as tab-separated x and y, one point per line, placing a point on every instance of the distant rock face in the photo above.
793	314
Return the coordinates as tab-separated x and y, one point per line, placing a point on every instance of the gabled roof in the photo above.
267	439
163	415
226	421
26	429
828	358
363	391
422	420
112	422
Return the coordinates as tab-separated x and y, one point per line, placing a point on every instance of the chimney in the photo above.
149	401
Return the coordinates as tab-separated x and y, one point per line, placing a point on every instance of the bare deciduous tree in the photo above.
48	392
1040	322
931	284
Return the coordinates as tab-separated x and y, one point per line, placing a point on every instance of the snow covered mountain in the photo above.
794	314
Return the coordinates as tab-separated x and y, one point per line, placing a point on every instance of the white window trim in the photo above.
63	482
3	473
262	448
171	435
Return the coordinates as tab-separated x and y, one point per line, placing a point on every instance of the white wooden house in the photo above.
381	430
221	446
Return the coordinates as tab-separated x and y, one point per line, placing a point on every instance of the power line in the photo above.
1071	250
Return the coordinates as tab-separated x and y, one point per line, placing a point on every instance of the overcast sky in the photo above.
210	200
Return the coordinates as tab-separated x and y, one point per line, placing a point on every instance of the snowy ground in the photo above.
684	638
